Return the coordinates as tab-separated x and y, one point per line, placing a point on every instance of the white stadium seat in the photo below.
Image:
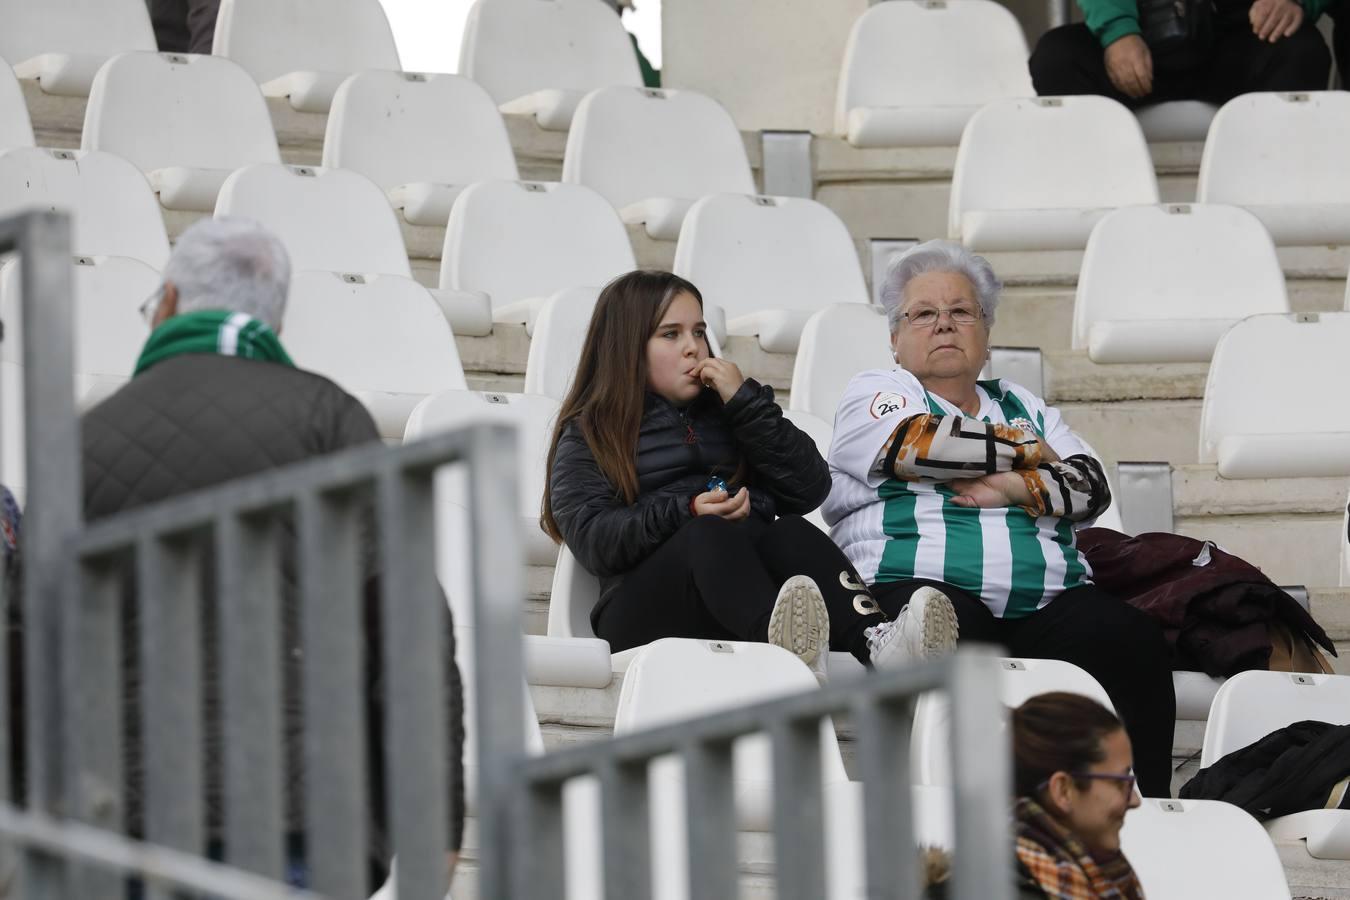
837	343
540	59
13	474
304	49
380	337
219	122
916	71
769	263
422	138
113	211
1285	365
1251	705
517	243
652	153
1176	120
1208	267
1037	174
62	43
1282	157
1182	849
329	219
109	329
1018	681
16	130
1345	548
555	346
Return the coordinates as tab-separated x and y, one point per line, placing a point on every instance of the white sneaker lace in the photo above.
879	635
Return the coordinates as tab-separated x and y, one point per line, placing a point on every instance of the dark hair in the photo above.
608	391
1057	732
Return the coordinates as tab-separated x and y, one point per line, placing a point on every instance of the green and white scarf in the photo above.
212	331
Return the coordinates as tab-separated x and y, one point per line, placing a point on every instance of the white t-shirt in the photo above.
893	530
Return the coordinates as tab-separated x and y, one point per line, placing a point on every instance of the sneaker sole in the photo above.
800	623
940	627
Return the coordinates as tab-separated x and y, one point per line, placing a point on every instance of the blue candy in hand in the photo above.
715	483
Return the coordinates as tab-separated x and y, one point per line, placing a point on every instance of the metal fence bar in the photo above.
329	532
710	801
888	811
52	513
169	582
541	828
248	603
499	592
798	808
625	828
94	730
414	630
982	778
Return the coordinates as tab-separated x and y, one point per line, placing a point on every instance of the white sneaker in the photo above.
800	623
925	628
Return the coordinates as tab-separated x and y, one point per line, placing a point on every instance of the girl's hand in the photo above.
717	503
721	375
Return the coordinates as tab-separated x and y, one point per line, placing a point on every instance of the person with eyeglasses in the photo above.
1074	785
952	492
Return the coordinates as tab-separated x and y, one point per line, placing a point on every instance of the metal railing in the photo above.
69	834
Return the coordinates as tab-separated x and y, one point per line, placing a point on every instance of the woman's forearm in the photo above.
945	448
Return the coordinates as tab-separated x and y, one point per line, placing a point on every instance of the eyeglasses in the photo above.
1126	782
150	305
928	317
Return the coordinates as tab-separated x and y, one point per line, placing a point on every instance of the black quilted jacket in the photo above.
677	451
198	420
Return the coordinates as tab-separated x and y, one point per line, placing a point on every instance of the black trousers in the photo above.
1069	60
1120	646
718	580
184	26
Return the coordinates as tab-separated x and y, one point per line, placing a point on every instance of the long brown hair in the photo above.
1057	732
608	391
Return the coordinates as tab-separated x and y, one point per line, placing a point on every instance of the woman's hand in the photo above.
717	503
721	375
1002	489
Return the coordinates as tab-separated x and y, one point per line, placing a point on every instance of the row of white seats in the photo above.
531	57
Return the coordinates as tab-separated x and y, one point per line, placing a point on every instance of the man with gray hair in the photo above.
215	397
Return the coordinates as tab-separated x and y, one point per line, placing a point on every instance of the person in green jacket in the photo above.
1253	45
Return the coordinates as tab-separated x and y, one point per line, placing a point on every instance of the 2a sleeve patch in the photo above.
886	403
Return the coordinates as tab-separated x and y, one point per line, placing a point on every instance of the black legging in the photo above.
718	580
1122	647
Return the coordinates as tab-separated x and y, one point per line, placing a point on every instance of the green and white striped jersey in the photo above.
892	530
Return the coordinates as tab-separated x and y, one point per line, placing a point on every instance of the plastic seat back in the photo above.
633	144
1018	681
113	211
1268	362
1251	705
98	28
1201	848
382	337
1020	159
329	219
555	346
219	120
1208	267
271	38
838	343
516	47
524	240
400	128
16	129
749	254
916	55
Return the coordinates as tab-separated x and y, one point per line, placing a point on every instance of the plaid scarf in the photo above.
1054	861
212	331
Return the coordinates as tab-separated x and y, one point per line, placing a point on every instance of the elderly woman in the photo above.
943	482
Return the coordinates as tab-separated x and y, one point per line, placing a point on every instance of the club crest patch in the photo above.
1023	424
885	403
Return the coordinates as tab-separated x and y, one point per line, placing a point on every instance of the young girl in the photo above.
668	473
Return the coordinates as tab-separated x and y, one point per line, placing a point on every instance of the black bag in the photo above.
1299	767
1179	33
